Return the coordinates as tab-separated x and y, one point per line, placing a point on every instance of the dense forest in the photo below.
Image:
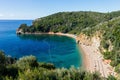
27	68
107	24
68	22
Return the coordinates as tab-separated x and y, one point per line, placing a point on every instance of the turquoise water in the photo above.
62	51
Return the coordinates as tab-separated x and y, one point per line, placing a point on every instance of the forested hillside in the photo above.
68	22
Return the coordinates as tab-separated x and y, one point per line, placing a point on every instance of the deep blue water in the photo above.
59	50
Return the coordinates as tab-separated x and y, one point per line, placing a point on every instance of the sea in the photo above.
62	51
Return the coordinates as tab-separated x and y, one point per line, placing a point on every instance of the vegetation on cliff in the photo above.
110	40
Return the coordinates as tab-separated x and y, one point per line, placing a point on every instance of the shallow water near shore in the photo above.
59	50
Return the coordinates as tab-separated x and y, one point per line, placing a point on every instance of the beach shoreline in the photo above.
52	33
92	59
84	58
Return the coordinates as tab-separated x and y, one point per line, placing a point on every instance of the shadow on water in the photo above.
47	37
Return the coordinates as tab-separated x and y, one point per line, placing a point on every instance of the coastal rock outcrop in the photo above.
19	31
83	39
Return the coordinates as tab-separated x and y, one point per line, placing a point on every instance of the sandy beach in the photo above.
93	60
69	35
